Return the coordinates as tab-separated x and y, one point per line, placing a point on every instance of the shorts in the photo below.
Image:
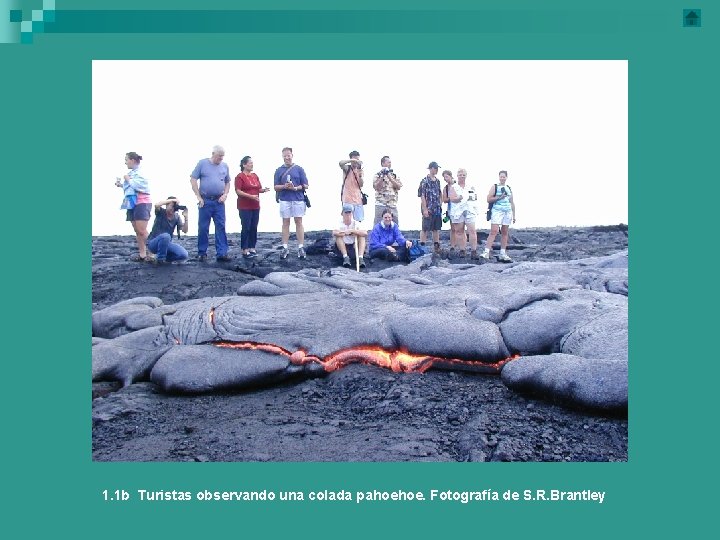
501	217
358	211
292	209
141	212
432	223
466	217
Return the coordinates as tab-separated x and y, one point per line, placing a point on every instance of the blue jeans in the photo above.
216	211
162	246
249	220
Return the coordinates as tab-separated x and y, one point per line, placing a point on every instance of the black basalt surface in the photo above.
360	413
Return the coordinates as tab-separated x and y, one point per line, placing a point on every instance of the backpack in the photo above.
490	205
415	251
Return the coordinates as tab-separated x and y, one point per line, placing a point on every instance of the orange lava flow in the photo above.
397	361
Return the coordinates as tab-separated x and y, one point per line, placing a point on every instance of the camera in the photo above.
180	207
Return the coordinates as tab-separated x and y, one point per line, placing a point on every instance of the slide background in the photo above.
51	484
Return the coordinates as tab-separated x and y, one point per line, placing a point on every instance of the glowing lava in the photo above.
397	361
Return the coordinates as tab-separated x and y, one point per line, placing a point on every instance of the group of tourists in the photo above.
210	181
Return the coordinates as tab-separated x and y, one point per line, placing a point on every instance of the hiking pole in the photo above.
357	255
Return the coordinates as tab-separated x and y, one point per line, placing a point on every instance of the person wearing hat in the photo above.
431	205
345	236
160	241
351	190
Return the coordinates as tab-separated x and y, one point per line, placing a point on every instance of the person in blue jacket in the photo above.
386	240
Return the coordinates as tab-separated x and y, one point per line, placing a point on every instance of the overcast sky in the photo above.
558	127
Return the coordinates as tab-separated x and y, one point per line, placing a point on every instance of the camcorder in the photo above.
180	207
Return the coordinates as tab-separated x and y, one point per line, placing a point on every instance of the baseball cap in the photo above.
348	208
433	165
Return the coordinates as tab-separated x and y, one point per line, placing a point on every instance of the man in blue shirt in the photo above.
290	184
210	181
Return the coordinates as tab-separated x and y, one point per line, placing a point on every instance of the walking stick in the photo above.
357	255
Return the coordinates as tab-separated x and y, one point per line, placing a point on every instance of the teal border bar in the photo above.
337	21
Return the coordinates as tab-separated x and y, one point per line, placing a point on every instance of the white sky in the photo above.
558	127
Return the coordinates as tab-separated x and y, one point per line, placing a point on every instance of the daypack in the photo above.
415	251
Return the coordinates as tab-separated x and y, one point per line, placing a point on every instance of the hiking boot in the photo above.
202	258
284	253
504	258
437	247
474	255
301	253
362	262
346	262
223	258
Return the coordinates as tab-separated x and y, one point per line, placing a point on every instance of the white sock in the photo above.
285	246
487	250
300	246
502	252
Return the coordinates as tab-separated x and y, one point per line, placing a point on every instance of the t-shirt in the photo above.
164	225
387	195
250	184
297	177
353	226
504	203
431	189
351	187
212	178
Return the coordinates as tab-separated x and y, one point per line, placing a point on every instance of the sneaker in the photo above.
362	262
247	255
346	262
485	254
252	254
504	258
223	258
284	253
301	253
202	258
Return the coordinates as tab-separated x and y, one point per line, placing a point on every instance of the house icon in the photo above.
691	18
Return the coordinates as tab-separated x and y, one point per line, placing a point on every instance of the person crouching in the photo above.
160	241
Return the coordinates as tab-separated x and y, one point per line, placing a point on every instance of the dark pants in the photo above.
383	253
215	211
249	220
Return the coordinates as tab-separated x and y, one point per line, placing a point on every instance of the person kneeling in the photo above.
160	240
386	240
345	236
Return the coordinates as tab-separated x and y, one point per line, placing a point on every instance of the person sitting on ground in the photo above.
160	240
345	236
386	240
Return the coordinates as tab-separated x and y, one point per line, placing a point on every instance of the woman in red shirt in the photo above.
248	189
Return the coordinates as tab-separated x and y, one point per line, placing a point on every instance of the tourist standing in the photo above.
136	202
386	184
291	182
431	206
353	180
502	216
210	181
248	190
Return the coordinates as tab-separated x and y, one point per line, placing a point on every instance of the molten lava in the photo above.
397	361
